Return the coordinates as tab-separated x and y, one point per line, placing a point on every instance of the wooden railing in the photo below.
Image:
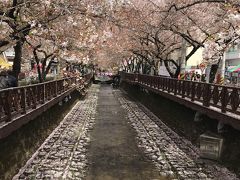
225	98
15	102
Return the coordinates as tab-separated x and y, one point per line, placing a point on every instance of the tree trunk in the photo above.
178	70
168	69
213	72
43	70
183	56
40	78
40	75
17	59
48	69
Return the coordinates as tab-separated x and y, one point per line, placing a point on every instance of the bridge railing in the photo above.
225	98
17	101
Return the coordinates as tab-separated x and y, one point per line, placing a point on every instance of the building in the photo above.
196	58
232	61
191	65
9	54
233	56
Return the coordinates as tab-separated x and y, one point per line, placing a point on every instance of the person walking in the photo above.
12	81
116	80
3	80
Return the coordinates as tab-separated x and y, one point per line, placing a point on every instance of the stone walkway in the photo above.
174	156
109	137
63	154
113	151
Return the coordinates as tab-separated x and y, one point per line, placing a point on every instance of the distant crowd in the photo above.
192	76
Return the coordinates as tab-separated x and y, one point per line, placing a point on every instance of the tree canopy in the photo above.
107	32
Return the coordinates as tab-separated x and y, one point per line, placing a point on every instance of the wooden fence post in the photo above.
224	99
8	105
183	88
206	95
193	91
34	89
23	100
175	86
55	89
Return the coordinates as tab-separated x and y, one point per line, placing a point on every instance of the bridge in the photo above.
108	135
216	101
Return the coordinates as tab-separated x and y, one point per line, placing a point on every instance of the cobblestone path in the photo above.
113	150
63	154
173	155
107	136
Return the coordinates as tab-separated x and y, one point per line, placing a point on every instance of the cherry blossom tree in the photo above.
20	18
159	28
145	32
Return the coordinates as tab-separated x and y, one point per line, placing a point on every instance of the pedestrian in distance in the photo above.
116	81
193	78
198	77
12	81
3	80
203	78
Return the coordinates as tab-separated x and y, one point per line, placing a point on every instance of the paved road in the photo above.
110	137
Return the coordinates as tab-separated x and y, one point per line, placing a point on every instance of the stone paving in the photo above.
113	151
63	154
107	136
174	156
